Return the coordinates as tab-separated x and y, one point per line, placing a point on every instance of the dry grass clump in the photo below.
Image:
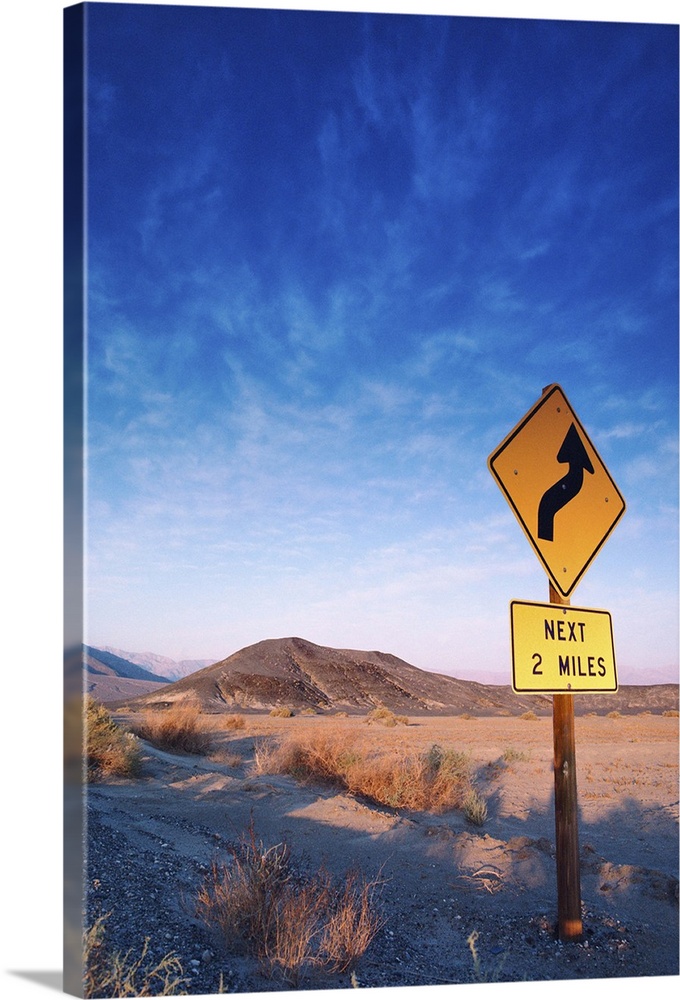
352	922
179	728
234	722
318	755
282	712
291	921
434	781
475	808
111	750
530	716
110	974
386	717
614	715
670	713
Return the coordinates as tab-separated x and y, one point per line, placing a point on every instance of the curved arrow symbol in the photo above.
558	496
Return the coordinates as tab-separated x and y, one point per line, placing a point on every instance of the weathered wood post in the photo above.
570	924
567	515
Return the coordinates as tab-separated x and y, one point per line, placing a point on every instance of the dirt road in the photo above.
152	840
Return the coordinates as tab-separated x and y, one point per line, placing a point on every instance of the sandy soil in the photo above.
153	838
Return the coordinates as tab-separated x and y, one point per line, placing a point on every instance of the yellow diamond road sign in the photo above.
560	649
558	488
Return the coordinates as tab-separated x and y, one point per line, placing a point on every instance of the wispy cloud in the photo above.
318	304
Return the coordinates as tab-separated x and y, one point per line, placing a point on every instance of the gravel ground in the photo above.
148	893
147	856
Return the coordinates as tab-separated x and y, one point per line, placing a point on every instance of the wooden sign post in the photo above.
567	505
570	925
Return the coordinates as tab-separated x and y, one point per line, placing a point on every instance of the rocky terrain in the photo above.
446	885
299	674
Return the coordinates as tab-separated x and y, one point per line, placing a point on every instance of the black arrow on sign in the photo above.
558	496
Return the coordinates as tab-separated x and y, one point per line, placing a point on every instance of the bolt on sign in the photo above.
559	648
558	488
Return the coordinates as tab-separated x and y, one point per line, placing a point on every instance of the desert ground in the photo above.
153	838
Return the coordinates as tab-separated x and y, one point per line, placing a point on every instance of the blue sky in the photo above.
332	260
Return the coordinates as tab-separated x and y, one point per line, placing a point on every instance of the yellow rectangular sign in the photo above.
557	649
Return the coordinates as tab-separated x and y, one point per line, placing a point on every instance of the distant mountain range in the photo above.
160	666
299	674
113	675
110	678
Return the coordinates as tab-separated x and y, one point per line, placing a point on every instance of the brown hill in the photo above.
299	674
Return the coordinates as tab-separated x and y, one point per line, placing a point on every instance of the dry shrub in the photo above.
265	756
670	713
353	922
317	755
386	717
239	898
405	782
529	716
290	921
436	781
111	750
614	715
179	728
282	712
234	722
111	974
292	940
475	808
